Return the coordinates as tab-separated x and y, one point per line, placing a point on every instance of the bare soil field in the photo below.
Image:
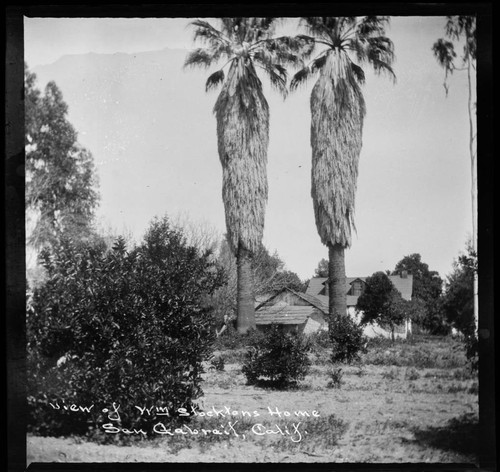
414	402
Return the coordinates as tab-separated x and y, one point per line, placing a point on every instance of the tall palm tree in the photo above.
337	114
242	116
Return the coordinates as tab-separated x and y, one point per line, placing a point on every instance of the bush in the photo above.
132	326
335	375
218	363
347	339
320	341
278	358
412	374
231	339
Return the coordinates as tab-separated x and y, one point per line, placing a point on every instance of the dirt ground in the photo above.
380	414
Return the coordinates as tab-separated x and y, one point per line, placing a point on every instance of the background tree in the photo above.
458	298
242	115
427	288
337	114
463	29
322	269
61	182
382	303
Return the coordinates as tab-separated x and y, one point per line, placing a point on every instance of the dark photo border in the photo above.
14	236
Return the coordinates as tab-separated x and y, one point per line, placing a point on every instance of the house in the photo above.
308	312
294	311
403	282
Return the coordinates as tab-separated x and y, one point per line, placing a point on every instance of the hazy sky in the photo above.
414	175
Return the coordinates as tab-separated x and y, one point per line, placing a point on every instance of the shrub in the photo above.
392	374
320	341
231	339
279	359
412	374
218	363
335	375
131	325
346	338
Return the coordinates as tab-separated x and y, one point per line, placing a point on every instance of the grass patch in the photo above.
458	435
417	352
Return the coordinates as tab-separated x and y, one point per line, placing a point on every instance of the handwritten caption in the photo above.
232	422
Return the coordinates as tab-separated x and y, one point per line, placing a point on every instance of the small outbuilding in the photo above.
294	311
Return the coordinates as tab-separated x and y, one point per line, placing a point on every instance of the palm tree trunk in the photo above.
245	297
337	303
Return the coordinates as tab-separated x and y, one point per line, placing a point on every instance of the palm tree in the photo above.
242	116
337	113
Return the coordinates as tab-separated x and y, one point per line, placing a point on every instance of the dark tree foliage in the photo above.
60	176
458	300
346	338
132	326
382	303
376	297
277	359
427	288
270	274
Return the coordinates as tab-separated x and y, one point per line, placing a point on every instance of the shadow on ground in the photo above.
458	435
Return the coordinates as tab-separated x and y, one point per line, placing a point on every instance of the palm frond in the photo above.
200	57
320	27
318	63
214	80
292	49
370	26
377	51
205	32
358	73
261	28
301	77
278	77
380	55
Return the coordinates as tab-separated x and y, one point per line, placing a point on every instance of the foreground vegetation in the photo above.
410	401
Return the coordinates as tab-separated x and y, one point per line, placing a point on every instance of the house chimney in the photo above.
404	274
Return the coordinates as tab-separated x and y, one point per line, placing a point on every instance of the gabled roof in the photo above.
403	284
312	300
267	313
287	314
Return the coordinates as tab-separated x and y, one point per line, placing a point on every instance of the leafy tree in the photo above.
427	288
381	302
458	298
337	114
133	327
61	182
242	115
270	274
462	29
322	269
458	302
278	358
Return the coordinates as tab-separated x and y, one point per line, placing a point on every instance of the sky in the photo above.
414	185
